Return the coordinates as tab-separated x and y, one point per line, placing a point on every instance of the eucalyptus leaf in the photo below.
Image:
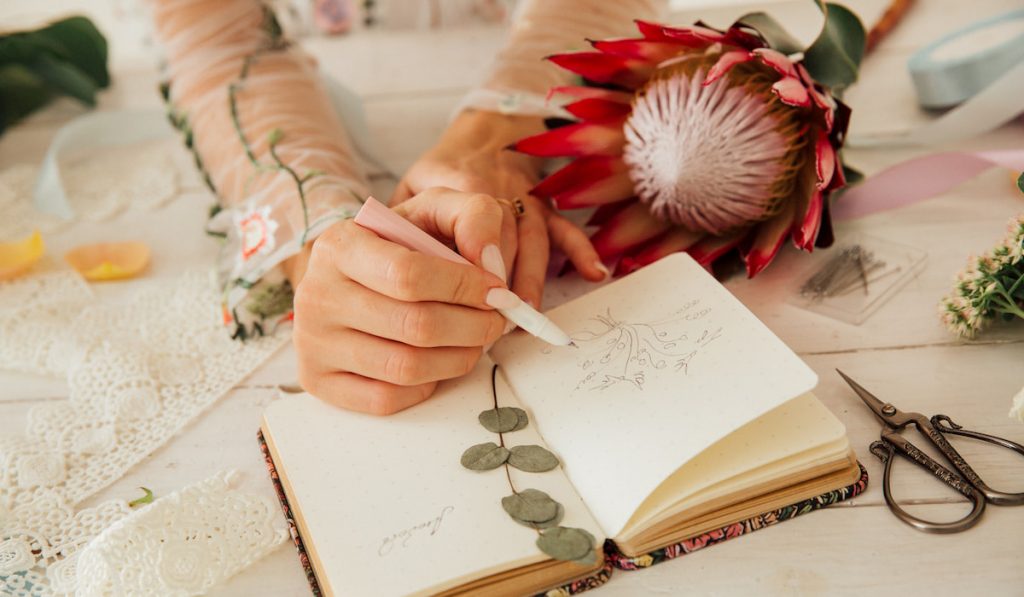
565	543
589	559
557	518
1020	182
484	457
532	459
530	505
524	419
501	420
834	58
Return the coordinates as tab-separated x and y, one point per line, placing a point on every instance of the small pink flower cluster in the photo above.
991	286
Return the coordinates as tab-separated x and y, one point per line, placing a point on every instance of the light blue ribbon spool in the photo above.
943	83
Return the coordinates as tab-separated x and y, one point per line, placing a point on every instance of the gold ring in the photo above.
516	205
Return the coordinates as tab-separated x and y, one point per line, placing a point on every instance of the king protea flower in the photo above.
694	139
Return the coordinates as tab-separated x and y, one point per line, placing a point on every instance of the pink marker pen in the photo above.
390	226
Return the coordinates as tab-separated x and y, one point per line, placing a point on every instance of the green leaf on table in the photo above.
530	506
502	420
1020	182
834	58
566	543
21	93
484	457
66	78
81	44
146	499
532	459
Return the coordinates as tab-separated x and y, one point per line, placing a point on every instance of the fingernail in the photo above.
509	326
502	298
491	259
604	270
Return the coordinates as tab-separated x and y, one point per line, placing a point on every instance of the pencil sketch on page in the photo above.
615	352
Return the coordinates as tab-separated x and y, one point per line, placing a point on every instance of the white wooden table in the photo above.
410	81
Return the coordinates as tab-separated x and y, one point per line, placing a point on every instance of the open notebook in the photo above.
678	414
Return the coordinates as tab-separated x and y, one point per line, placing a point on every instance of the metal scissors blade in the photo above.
890	415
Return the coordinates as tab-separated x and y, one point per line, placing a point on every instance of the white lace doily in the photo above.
182	544
137	373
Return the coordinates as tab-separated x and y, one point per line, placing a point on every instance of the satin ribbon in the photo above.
989	83
918	179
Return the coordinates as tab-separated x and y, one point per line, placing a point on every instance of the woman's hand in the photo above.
377	325
471	156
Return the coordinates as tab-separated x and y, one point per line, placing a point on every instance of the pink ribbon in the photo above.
918	179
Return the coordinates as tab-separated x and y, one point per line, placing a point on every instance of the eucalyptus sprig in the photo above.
532	508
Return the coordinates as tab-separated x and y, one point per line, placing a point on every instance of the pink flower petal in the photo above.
825	160
629	228
587	138
725	63
777	60
652	31
581	92
711	248
806	225
598	109
791	91
641	49
606	68
674	240
587	181
767	240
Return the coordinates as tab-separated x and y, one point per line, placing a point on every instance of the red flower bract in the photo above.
694	139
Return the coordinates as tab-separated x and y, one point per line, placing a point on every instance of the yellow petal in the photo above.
16	258
109	261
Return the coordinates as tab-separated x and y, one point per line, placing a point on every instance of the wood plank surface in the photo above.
410	82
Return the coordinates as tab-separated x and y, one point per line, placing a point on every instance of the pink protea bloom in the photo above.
698	140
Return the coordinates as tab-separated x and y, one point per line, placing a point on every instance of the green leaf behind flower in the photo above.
834	57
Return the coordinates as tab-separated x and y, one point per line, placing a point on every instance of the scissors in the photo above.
963	479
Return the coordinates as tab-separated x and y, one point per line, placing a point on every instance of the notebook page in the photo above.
668	363
388	506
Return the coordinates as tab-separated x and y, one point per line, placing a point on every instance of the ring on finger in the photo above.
515	204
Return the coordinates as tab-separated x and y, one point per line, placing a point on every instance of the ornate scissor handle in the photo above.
885	450
997	497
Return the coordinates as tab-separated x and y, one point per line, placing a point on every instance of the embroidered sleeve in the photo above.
267	140
520	77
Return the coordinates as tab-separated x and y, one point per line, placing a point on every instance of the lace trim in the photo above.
137	372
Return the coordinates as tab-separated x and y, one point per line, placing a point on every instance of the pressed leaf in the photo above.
148	498
501	420
532	459
530	505
557	518
484	457
566	543
523	421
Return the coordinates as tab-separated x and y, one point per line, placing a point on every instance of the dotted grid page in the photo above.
389	509
668	363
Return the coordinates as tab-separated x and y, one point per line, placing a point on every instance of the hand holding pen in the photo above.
378	325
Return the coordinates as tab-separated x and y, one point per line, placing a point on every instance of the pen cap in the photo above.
388	225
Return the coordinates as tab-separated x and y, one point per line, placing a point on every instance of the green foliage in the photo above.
68	57
834	58
145	499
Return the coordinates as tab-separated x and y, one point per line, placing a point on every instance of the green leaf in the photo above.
834	58
852	175
66	78
1020	182
21	93
566	543
532	459
530	505
146	499
81	44
524	419
502	420
274	136
587	560
776	35
484	457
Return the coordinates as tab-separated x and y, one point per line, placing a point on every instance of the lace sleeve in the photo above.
520	77
260	123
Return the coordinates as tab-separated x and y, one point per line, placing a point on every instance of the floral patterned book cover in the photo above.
613	557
